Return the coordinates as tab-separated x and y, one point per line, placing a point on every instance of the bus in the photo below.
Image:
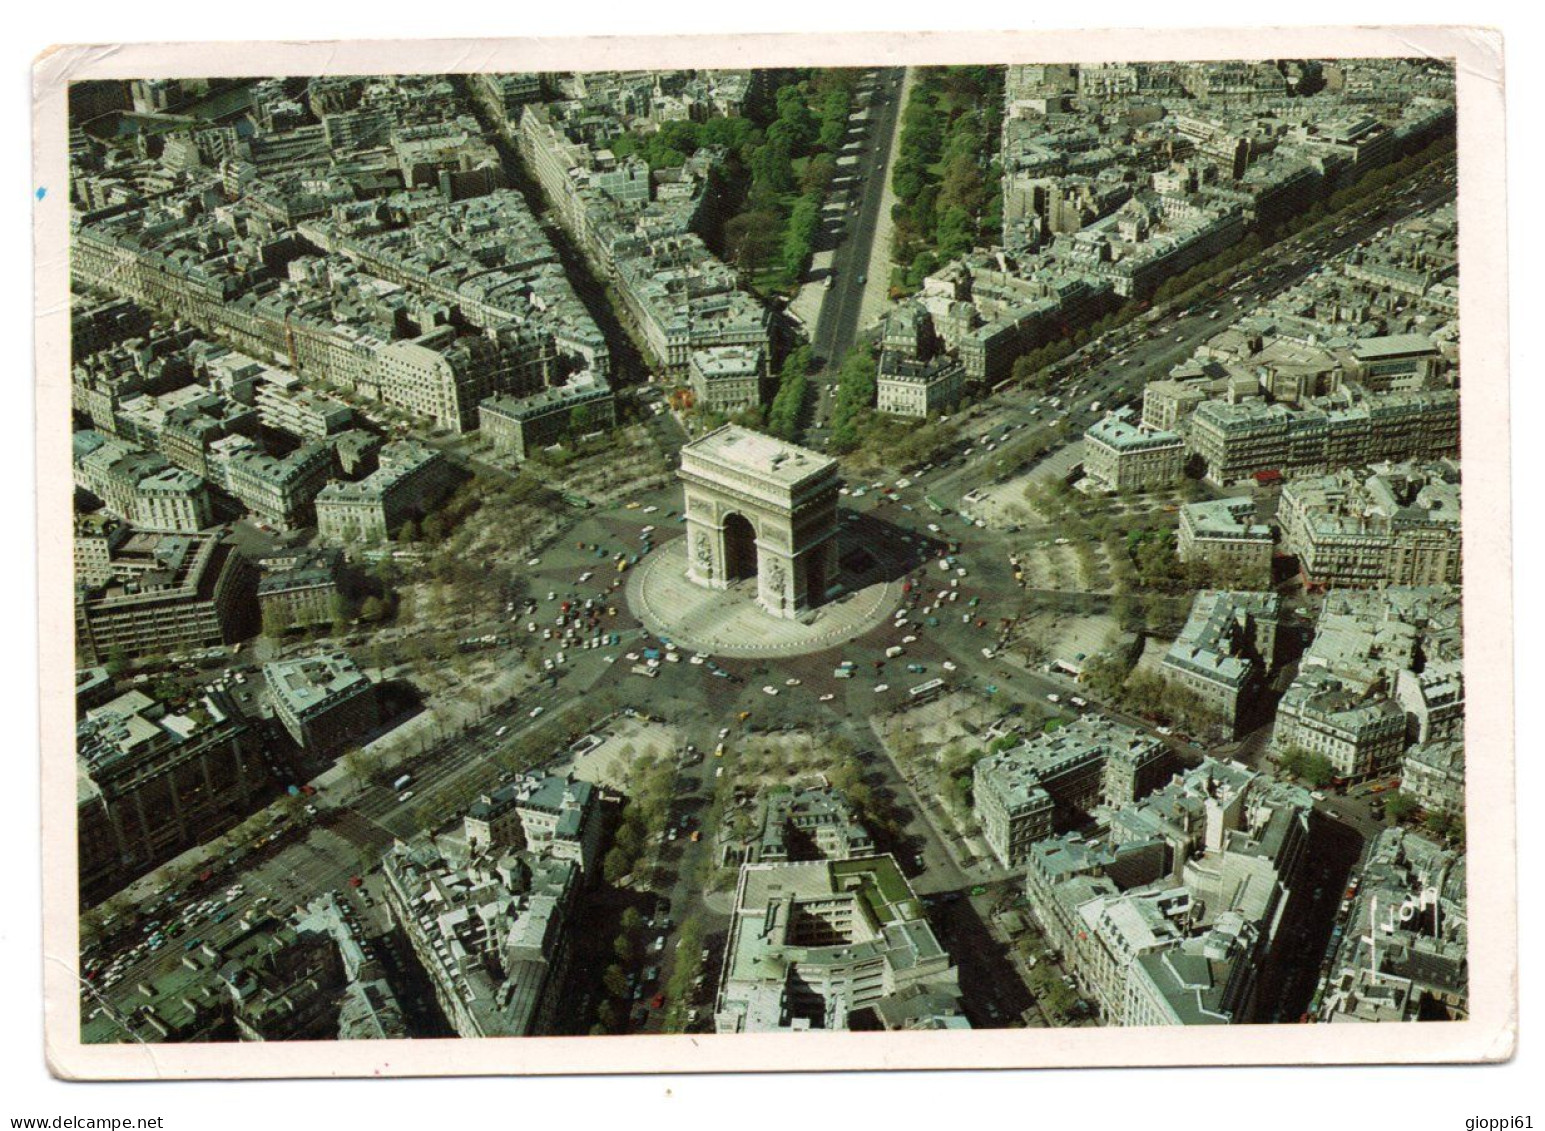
926	690
402	781
934	505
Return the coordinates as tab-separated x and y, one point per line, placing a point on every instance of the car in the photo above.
881	687
770	690
828	697
792	681
404	798
535	711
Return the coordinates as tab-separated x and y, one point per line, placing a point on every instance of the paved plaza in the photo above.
730	622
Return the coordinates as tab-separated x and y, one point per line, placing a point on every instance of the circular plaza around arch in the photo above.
731	621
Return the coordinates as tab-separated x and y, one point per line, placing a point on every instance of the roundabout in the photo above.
729	622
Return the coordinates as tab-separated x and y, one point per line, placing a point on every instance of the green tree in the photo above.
923	264
615	981
277	621
628	840
799	235
795	121
856	389
772	168
835	107
751	238
1400	805
1315	769
616	864
581	419
819	173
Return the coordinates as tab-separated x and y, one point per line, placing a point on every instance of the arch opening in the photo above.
739	548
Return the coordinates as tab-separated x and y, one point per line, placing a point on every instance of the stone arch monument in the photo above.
758	508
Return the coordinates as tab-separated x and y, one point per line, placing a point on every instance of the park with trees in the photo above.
945	173
780	159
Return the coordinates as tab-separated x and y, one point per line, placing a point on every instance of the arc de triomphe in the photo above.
761	508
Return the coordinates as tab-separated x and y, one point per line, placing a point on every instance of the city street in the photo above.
862	185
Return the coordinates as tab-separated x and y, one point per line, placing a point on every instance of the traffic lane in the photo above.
277	886
1282	273
1186	331
837	324
990	985
1353	814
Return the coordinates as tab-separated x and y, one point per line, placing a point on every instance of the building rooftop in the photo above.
1225	518
761	455
1118	430
304	685
1392	346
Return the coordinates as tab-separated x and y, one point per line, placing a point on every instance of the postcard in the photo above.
708	554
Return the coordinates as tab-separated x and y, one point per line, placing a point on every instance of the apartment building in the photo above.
726	379
1120	455
1024	791
491	933
553	816
1390	525
1225	650
279	490
1234	441
410	479
811	944
907	386
520	426
157	778
166	593
1224	535
799	824
324	701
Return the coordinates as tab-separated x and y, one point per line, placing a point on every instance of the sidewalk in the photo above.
918	806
